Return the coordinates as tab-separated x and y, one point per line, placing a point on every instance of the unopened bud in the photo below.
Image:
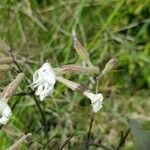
80	50
10	89
6	60
76	69
4	67
110	65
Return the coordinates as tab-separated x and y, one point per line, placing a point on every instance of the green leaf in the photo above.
141	137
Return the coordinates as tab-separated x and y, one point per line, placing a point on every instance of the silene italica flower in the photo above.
45	77
5	112
44	80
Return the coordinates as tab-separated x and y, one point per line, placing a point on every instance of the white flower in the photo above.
5	112
44	80
96	100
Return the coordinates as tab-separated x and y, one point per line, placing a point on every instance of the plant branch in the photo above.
87	142
123	139
49	140
100	145
67	141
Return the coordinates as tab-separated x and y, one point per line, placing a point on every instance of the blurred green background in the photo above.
39	30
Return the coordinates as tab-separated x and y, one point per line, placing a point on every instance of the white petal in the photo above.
47	73
96	100
48	90
4	120
96	106
35	76
44	79
5	112
39	90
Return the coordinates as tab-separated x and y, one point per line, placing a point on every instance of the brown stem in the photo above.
100	145
123	139
87	142
65	143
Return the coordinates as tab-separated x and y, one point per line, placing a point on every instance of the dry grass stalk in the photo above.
109	65
10	89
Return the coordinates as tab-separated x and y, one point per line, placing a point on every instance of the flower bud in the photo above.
6	60
10	89
110	65
76	69
80	50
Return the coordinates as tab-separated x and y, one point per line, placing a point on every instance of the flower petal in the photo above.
44	79
6	112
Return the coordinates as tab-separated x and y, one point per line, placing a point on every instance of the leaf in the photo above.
141	137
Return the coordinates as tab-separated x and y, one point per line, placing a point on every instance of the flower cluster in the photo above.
45	77
44	80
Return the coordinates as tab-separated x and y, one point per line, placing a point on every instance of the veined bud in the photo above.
77	69
110	65
6	60
80	50
4	67
10	89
